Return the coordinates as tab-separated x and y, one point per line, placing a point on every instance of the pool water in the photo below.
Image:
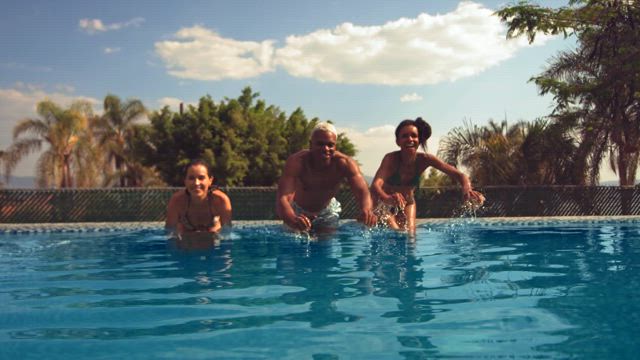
461	289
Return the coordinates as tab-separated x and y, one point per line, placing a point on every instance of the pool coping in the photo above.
14	228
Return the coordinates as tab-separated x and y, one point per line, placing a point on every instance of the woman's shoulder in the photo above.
218	196
423	156
180	195
178	201
392	156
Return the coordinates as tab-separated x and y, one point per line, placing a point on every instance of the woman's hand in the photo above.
473	197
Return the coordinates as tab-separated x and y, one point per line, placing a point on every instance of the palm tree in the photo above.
596	85
3	156
524	153
66	132
490	153
549	151
115	130
137	175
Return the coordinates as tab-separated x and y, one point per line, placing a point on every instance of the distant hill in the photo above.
21	182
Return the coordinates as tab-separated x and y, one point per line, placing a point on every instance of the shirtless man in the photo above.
311	179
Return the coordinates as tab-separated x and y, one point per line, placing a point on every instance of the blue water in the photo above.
459	290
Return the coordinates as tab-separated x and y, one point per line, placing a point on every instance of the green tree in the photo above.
596	86
115	131
436	178
499	154
344	145
298	130
3	164
490	153
67	134
245	140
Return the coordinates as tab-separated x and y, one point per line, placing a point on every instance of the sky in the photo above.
365	65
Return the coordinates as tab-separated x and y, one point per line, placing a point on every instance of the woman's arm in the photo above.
222	204
173	212
467	191
386	169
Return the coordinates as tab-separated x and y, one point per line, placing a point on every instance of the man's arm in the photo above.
360	190
286	192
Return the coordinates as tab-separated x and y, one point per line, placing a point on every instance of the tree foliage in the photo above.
520	154
69	158
245	140
115	131
596	87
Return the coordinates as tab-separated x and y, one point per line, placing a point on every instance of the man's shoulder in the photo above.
342	157
298	156
344	162
295	162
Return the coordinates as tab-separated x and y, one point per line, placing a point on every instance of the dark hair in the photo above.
196	162
424	130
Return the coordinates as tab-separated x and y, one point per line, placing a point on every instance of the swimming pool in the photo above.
463	289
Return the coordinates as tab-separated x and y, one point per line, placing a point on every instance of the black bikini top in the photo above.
189	226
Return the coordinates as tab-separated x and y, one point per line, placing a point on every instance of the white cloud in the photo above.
410	97
372	145
174	103
65	88
110	50
424	50
92	26
20	102
201	54
428	49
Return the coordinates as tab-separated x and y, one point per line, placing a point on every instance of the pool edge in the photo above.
12	228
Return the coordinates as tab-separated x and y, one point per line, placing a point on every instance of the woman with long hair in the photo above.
200	207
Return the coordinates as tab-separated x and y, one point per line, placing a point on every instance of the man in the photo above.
306	191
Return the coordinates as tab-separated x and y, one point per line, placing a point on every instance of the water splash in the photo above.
390	213
463	217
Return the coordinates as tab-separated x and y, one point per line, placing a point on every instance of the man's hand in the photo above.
300	222
368	218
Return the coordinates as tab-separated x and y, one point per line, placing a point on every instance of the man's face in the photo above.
323	145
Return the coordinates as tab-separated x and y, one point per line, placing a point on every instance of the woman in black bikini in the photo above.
199	208
399	173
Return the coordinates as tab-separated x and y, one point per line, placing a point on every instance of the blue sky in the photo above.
365	65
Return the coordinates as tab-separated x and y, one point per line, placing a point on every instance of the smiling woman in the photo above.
399	174
199	208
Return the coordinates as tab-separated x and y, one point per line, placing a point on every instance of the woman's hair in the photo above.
196	162
424	130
